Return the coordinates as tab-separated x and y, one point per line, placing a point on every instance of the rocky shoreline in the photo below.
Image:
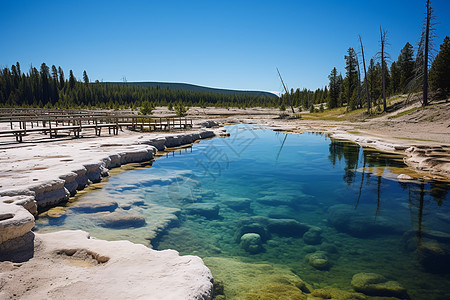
70	167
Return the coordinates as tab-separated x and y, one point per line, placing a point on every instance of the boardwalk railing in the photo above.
21	123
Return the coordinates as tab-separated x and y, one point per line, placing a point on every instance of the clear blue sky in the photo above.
226	44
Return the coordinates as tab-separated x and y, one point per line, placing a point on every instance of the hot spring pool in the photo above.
264	203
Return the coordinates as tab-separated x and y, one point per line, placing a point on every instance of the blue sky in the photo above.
225	44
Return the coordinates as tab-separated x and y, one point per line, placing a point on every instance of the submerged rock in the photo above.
313	236
333	293
319	260
431	249
251	242
256	281
348	220
373	284
93	207
120	220
434	257
287	227
266	226
207	210
238	204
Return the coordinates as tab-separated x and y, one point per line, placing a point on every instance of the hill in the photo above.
192	88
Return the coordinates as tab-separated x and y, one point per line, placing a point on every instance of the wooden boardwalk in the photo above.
22	122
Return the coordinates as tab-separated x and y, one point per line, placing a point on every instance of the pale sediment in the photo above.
87	268
37	176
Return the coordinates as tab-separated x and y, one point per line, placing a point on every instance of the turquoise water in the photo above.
346	198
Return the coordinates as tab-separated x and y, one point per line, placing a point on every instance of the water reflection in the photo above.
429	239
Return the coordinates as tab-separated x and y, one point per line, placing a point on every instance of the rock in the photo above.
72	265
348	220
27	201
256	280
281	212
207	210
209	124
373	284
431	250
15	222
250	227
275	200
434	257
329	248
50	192
251	242
313	236
287	227
93	207
120	220
404	177
319	260
333	293
238	204
266	226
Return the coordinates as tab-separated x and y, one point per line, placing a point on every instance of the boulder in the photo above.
373	284
287	227
254	227
207	210
251	242
319	260
313	236
266	226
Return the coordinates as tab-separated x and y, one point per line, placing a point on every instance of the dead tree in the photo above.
425	60
287	92
365	75
359	83
383	58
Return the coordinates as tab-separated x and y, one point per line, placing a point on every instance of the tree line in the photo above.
49	88
370	87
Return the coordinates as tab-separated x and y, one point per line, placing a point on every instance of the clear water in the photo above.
299	177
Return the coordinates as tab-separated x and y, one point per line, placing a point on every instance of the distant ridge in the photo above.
192	88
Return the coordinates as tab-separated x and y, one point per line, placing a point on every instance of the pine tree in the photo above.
440	69
351	76
71	80
405	63
334	89
62	81
45	74
85	77
395	79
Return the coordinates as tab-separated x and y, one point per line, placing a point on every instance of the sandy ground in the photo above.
421	130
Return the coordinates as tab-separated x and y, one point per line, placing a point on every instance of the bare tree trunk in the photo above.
287	93
383	79
365	76
359	83
425	59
